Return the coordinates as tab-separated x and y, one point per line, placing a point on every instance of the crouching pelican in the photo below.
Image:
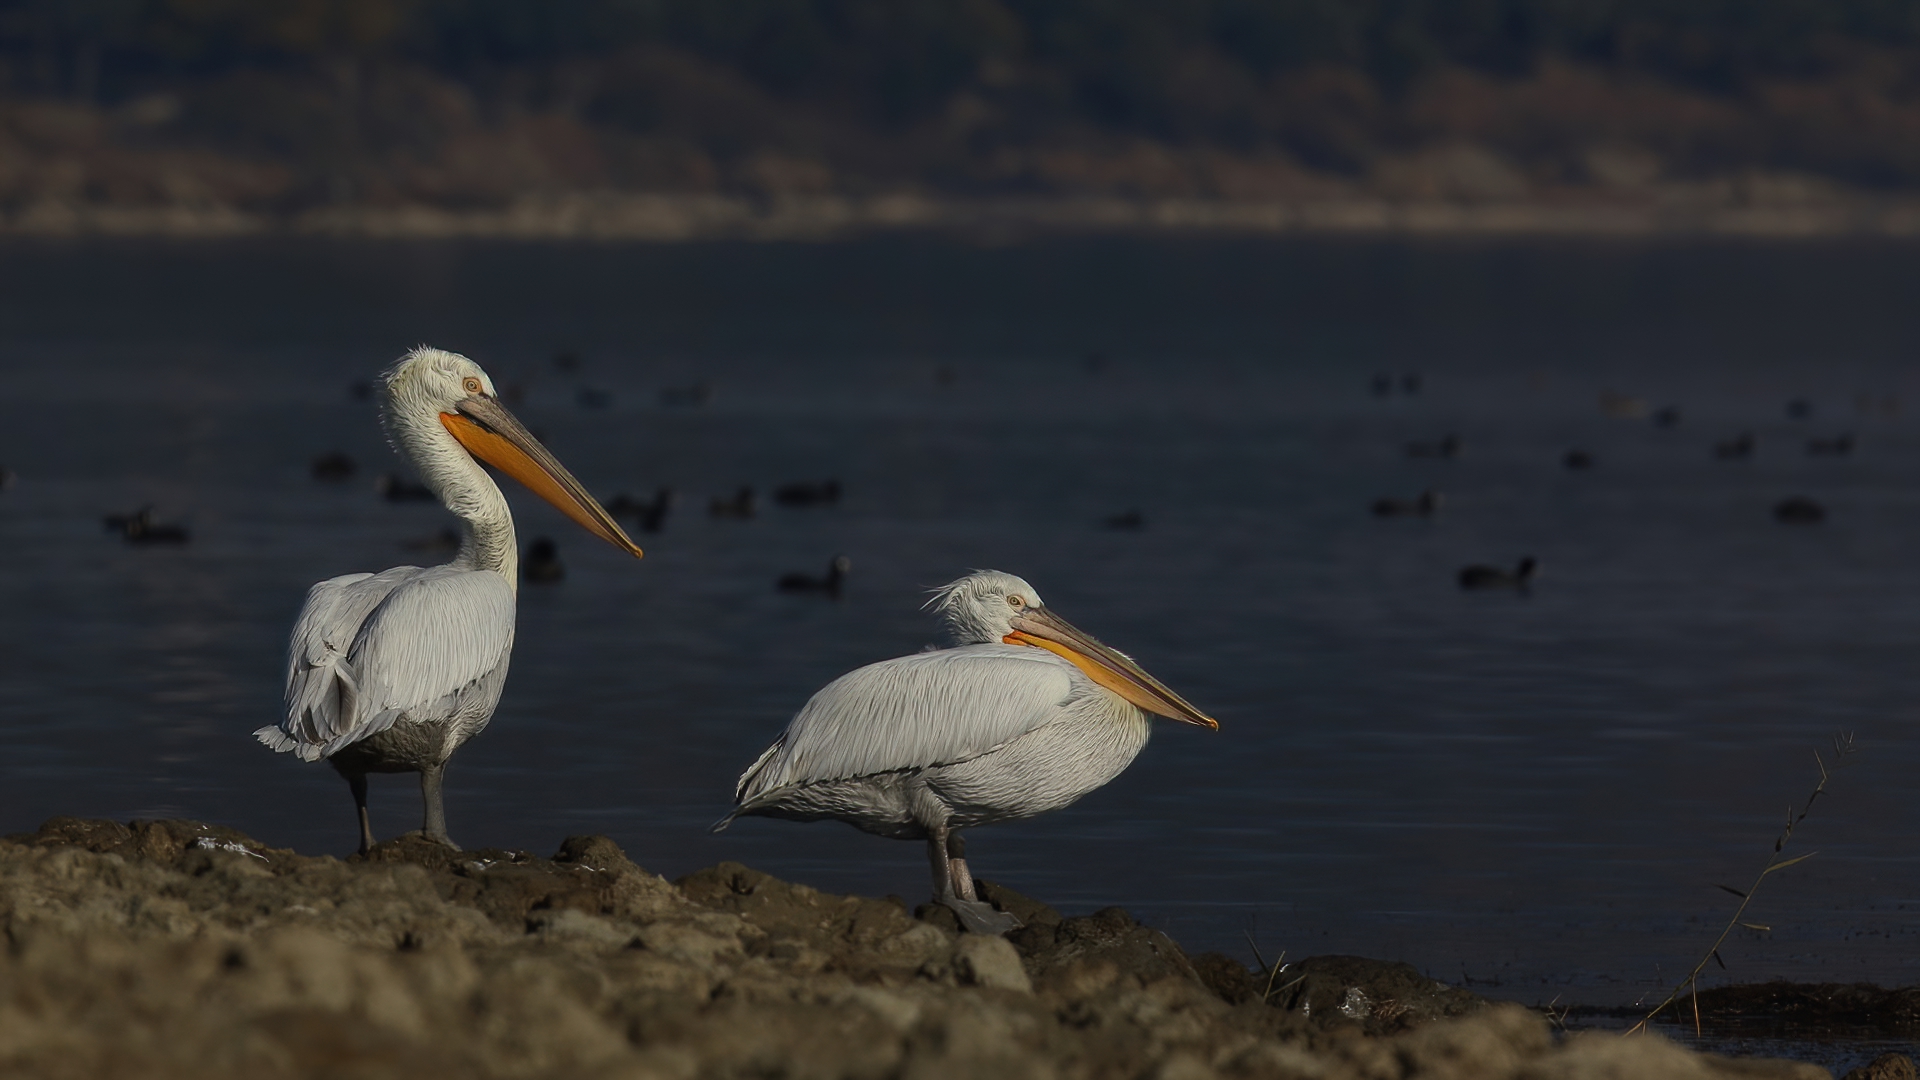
1023	715
391	672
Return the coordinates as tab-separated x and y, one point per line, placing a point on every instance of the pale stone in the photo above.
984	960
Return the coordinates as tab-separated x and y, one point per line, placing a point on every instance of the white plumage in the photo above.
928	709
1025	714
371	648
391	672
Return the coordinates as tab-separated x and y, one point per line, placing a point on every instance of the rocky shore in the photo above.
177	949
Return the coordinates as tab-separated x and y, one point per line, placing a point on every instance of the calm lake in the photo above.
1538	794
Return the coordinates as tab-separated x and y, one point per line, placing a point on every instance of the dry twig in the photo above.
1842	746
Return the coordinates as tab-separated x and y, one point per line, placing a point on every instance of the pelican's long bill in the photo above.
490	433
1043	629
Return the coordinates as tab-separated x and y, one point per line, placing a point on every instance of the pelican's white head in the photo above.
441	411
988	606
425	383
980	607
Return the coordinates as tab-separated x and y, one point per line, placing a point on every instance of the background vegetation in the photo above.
279	104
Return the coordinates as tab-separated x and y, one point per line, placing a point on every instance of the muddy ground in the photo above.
168	949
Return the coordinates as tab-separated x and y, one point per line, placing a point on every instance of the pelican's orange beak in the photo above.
490	433
1042	629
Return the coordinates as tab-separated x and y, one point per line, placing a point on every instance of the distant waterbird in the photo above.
1126	521
740	504
1577	460
1480	577
649	514
392	672
543	563
1883	405
139	527
447	539
1022	715
1426	505
333	467
396	488
1738	448
1624	406
830	583
1409	383
693	396
1838	446
806	493
1447	446
1799	510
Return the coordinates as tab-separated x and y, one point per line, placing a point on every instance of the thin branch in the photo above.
1842	747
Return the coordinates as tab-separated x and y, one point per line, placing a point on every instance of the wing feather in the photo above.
370	648
913	712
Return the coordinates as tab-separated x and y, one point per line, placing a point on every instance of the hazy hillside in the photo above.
269	109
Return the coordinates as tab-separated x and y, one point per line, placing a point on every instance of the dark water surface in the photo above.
1538	794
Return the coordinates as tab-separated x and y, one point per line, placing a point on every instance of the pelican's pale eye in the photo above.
1016	601
473	385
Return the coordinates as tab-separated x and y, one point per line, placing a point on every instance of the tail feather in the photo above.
751	782
281	742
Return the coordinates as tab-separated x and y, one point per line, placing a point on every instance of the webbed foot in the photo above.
980	917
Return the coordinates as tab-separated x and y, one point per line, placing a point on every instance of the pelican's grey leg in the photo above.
957	860
949	873
358	783
436	823
942	868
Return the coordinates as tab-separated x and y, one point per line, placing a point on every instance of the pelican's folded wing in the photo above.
914	712
370	648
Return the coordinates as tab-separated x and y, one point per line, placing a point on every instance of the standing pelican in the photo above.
391	672
1024	715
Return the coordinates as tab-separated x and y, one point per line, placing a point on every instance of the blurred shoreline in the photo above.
619	216
684	120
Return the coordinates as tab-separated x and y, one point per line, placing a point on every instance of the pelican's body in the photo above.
988	732
1023	715
392	672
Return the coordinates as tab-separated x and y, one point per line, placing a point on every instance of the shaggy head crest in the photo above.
980	607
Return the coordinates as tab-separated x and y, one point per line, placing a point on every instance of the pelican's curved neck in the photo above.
487	541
